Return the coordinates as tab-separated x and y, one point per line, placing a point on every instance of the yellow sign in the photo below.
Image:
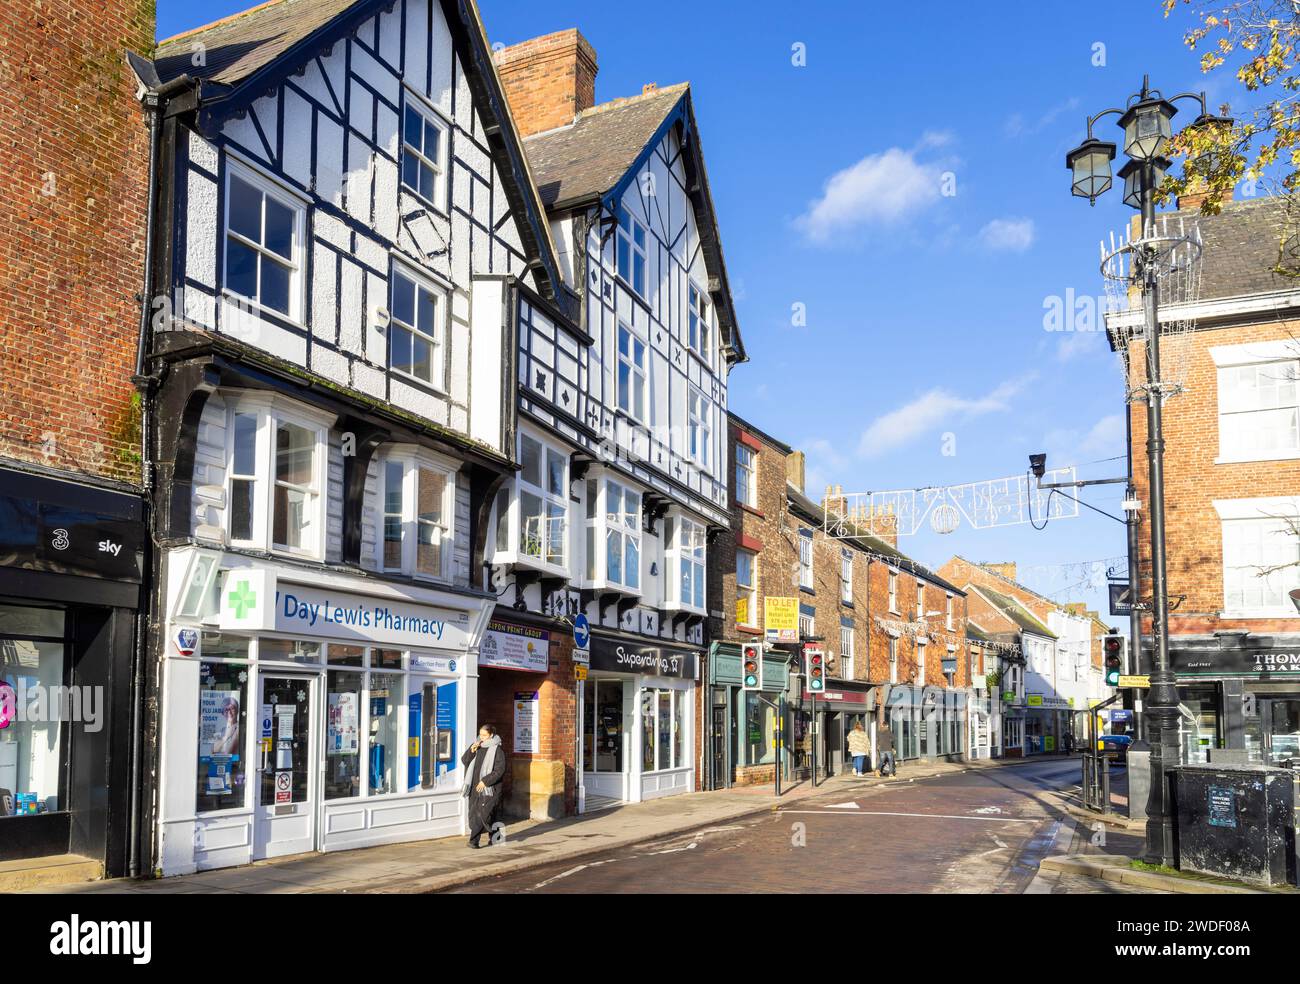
413	748
742	611
1035	700
781	619
579	672
1137	682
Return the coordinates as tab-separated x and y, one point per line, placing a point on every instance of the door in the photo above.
719	736
1282	731
286	784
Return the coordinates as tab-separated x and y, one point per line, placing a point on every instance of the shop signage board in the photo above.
527	735
649	658
308	611
1121	599
1248	661
508	646
781	619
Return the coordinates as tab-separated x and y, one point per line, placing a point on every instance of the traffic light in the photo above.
751	667
1113	658
815	670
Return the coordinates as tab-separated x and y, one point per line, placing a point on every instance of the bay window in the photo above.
543	501
275	477
612	527
419	496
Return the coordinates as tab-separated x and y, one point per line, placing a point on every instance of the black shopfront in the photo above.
1240	692
70	596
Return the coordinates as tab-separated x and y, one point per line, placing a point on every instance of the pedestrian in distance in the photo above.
860	749
485	766
885	750
1067	742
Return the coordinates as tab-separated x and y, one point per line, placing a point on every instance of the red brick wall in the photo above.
73	150
557	721
548	80
1194	532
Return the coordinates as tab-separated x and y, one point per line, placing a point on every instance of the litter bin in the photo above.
1236	822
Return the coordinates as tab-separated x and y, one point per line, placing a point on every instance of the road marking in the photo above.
844	806
921	816
563	874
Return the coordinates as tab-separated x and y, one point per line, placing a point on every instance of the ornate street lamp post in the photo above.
1146	122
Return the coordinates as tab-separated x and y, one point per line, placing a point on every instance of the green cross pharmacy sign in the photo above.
243	599
248	599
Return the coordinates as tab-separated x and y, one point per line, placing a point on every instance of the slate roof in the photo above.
580	161
1241	248
239	45
1015	611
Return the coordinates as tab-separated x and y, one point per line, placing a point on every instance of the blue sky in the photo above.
924	310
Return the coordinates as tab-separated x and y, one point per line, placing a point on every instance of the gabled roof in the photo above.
1020	587
237	46
1013	610
593	160
249	53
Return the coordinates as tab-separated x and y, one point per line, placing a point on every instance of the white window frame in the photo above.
412	460
748	590
625	244
846	652
1280	357
805	560
270	413
685	557
699	328
920	600
893	593
922	649
893	659
746	475
948	614
549	499
432	116
604	526
236	167
846	576
637	370
436	340
807	626
699	410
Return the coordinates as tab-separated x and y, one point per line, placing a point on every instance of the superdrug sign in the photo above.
623	656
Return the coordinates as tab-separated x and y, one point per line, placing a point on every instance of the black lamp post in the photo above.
1146	122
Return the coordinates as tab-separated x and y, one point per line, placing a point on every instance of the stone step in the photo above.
36	874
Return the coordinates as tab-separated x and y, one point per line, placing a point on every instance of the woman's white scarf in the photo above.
489	760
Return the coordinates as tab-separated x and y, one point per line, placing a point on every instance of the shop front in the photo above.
305	710
836	711
637	720
70	593
1046	723
741	744
927	722
1242	692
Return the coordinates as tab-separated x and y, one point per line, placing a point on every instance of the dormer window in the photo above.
424	153
630	249
264	235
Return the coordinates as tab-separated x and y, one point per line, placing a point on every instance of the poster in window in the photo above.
218	723
343	736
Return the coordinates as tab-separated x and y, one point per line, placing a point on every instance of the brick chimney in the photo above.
794	464
1195	196
549	80
1006	570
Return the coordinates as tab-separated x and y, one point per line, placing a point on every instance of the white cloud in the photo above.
884	187
824	461
927	412
1015	235
1072	344
1017	126
1076	446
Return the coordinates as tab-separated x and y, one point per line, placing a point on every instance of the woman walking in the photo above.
485	766
859	748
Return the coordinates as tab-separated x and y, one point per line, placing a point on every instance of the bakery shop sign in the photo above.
1262	661
621	656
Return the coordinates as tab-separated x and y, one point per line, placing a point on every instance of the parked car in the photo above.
1115	747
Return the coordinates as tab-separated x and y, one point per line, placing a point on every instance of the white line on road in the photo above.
922	816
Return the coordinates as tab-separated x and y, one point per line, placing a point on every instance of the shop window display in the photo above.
343	734
223	720
31	749
602	726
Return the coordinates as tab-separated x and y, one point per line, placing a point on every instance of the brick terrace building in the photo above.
894	632
74	152
1232	488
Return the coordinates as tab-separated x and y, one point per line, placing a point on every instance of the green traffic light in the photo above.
1112	678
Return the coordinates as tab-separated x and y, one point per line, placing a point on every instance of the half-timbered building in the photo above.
343	219
622	424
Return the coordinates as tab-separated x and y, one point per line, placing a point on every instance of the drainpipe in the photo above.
153	96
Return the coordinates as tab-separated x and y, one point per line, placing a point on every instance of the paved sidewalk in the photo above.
435	865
